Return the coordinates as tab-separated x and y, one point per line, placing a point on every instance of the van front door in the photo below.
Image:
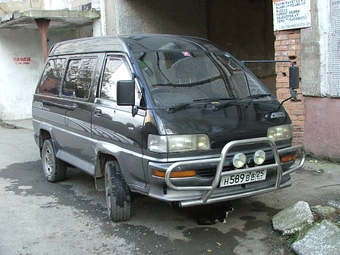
118	132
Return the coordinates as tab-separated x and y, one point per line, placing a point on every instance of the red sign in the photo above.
186	54
22	60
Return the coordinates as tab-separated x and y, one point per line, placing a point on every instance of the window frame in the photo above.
81	58
126	63
38	90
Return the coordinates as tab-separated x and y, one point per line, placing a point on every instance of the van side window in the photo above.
115	70
52	75
79	76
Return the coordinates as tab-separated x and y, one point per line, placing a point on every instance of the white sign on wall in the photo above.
291	14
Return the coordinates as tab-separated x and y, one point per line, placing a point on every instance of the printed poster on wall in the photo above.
291	14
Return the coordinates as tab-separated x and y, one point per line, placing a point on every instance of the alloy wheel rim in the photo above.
48	161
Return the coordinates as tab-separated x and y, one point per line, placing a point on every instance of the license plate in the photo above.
241	178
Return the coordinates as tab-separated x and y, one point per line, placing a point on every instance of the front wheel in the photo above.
54	168
117	193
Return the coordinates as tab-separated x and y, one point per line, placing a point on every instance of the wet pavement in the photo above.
38	217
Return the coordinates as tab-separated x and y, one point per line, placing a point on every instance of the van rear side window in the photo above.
79	76
51	78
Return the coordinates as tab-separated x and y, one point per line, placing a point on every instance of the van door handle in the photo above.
97	112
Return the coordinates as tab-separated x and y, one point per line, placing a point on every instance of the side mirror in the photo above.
126	93
294	78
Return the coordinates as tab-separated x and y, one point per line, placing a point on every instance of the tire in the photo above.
54	168
118	198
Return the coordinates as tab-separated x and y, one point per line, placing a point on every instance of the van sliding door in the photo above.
75	139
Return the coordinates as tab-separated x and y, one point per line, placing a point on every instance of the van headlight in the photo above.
282	132
178	143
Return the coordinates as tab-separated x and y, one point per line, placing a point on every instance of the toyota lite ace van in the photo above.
171	117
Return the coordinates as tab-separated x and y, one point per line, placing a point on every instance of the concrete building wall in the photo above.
21	66
321	79
222	22
321	50
9	6
219	21
21	62
245	29
154	16
322	135
314	51
57	5
22	58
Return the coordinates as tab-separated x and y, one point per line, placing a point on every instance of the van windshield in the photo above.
180	77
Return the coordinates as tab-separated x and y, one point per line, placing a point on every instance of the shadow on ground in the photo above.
154	227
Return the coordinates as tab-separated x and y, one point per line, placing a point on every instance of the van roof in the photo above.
134	43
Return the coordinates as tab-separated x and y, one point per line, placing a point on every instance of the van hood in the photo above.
238	120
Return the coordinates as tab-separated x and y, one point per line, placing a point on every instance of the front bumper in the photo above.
186	194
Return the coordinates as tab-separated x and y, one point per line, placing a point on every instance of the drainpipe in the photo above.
43	28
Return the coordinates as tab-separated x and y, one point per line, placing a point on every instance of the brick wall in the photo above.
288	47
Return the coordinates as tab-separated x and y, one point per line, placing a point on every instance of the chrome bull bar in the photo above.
206	198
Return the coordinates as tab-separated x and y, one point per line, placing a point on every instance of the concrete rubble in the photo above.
316	229
323	238
293	219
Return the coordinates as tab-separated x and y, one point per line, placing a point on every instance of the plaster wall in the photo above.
153	16
245	29
320	85
18	78
70	4
57	5
222	22
313	52
8	6
321	134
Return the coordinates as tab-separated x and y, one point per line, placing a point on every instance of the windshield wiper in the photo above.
220	106
215	101
226	104
257	96
212	100
174	108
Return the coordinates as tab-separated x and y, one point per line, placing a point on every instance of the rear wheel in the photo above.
54	168
117	193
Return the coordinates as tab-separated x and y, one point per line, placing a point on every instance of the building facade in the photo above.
244	28
316	50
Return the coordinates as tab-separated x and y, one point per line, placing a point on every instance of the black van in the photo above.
172	117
